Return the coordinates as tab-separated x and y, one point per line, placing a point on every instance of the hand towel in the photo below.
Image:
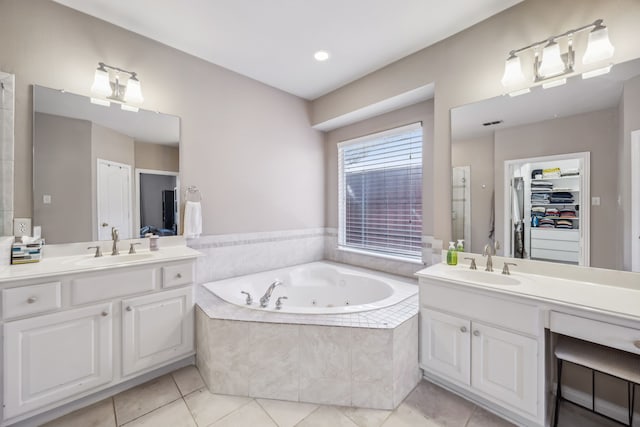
192	220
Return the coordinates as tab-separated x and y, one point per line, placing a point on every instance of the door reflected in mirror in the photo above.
97	168
594	116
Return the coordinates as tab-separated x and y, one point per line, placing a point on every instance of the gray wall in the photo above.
467	67
596	133
63	155
248	147
157	157
478	154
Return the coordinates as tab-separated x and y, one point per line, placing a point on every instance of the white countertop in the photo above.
606	298
56	265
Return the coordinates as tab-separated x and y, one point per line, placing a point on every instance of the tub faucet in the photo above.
490	250
267	295
115	237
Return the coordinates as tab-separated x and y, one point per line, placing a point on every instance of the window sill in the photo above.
379	255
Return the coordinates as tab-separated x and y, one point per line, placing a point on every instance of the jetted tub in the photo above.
317	288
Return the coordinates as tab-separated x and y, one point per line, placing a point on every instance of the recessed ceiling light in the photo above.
321	55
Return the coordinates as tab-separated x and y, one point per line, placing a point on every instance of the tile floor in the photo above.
181	399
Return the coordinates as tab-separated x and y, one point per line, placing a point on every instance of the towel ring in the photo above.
193	194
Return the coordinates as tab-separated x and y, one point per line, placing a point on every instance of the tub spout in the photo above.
264	301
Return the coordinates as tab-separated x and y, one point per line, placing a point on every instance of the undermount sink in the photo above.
484	277
115	259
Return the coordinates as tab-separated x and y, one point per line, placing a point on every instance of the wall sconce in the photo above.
550	64
104	90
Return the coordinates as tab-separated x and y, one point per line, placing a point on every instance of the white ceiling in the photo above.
274	41
576	97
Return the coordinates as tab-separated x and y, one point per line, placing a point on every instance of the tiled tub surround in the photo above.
7	114
367	359
231	255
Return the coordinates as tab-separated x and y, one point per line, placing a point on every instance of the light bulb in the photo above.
101	86
133	93
513	75
551	63
599	47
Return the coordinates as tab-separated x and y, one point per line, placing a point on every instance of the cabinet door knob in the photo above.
463	329
105	313
476	333
637	343
179	275
129	308
31	300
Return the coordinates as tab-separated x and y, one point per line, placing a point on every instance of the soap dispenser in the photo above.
452	255
460	245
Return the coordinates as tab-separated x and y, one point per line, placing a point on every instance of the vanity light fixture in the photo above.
551	64
105	89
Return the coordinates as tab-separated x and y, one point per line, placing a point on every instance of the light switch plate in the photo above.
595	201
22	227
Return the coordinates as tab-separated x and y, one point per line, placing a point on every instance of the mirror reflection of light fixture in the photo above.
552	64
105	90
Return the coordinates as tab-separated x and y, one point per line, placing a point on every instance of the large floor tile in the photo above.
439	405
99	414
366	417
250	415
208	408
188	379
145	398
286	414
405	416
175	414
573	416
327	416
482	418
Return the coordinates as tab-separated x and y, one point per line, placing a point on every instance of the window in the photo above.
380	192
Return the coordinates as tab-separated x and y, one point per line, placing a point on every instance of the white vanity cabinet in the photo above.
156	328
483	346
51	357
67	337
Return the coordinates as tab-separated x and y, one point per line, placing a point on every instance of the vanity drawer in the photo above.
177	275
107	286
608	334
30	299
497	311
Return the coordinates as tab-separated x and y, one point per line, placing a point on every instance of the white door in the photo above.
504	366
114	199
49	358
445	347
156	328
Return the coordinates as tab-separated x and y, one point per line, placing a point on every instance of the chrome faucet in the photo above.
115	237
267	295
489	251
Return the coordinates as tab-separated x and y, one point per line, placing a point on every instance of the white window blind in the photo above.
380	192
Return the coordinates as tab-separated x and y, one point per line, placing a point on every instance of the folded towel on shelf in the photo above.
567	213
192	220
552	212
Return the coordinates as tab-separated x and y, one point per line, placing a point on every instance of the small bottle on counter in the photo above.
153	241
452	255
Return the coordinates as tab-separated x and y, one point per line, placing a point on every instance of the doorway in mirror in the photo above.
548	208
157	202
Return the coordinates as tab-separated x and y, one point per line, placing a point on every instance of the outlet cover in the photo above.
22	227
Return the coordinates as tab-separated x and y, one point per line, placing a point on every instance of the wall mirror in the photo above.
564	149
97	167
